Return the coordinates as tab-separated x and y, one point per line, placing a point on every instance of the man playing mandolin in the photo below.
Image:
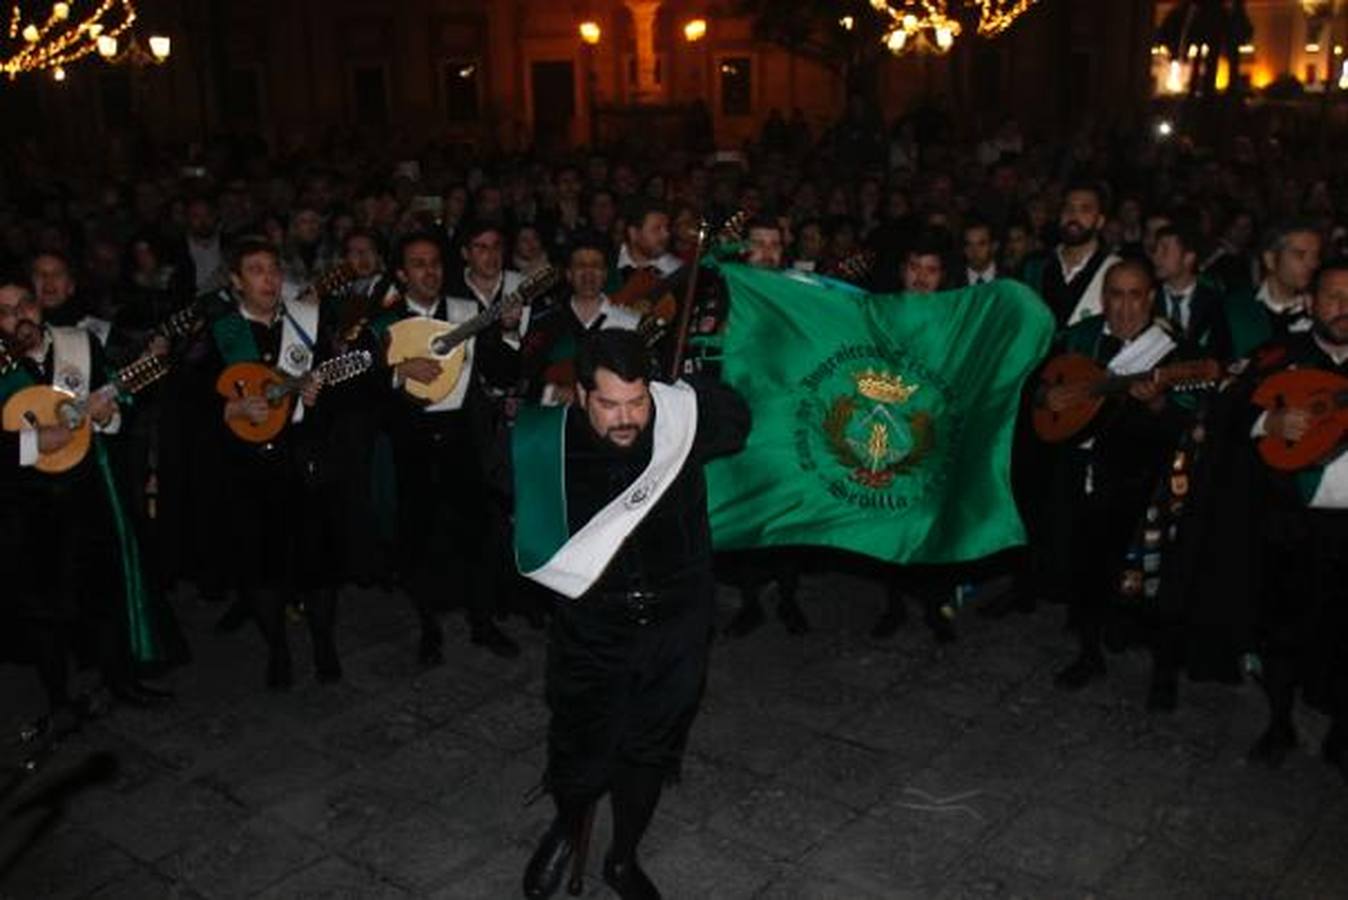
1104	479
1302	620
281	503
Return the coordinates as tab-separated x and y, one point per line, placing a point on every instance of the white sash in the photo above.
581	561
296	356
1332	491
71	363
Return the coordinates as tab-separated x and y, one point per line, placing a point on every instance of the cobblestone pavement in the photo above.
829	766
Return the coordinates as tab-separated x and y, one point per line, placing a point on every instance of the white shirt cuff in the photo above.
1260	426
28	452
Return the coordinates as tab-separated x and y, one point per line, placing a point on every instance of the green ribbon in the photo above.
145	644
538	451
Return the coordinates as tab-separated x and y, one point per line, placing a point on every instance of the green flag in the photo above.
882	423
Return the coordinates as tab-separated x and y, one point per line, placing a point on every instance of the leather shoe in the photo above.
486	634
792	616
547	867
747	620
1273	746
628	881
1080	672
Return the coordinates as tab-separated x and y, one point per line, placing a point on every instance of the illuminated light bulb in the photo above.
59	74
1193	51
160	46
590	32
30	33
60	11
896	39
695	30
945	38
1246	49
847	22
879	6
94	29
1164	128
909	22
107	46
1312	48
1174	83
1204	51
1343	77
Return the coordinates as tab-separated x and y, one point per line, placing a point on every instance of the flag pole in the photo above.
686	313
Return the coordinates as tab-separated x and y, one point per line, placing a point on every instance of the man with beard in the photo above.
1279	306
646	245
1302	620
63	529
1071	278
611	515
1105	479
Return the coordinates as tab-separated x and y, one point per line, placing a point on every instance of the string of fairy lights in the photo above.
67	34
933	25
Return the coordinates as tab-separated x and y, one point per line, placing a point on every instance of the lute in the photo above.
43	405
251	379
421	337
1094	384
1325	396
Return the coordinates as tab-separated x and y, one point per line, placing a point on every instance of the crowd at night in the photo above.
1202	289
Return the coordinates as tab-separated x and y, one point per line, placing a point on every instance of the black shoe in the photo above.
628	881
327	668
431	651
747	619
280	674
892	619
234	618
486	634
547	867
792	616
1273	746
940	620
1082	671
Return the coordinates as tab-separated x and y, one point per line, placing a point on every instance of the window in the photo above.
736	86
462	85
370	95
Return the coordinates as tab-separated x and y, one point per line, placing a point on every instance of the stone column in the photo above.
643	20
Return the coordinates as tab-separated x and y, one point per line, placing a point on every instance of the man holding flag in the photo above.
611	515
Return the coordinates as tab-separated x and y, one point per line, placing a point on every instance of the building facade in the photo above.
512	74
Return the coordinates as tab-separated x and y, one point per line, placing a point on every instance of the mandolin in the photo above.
251	379
42	404
1325	396
420	337
1094	383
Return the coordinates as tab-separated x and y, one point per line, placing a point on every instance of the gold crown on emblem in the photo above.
884	388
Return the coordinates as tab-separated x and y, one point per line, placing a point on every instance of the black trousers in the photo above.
623	695
448	545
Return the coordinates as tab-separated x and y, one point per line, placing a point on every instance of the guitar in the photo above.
1094	383
1325	396
420	337
854	268
251	379
42	404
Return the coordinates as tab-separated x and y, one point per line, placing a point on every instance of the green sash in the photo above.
235	339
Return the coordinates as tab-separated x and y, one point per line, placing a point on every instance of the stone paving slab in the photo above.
828	767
